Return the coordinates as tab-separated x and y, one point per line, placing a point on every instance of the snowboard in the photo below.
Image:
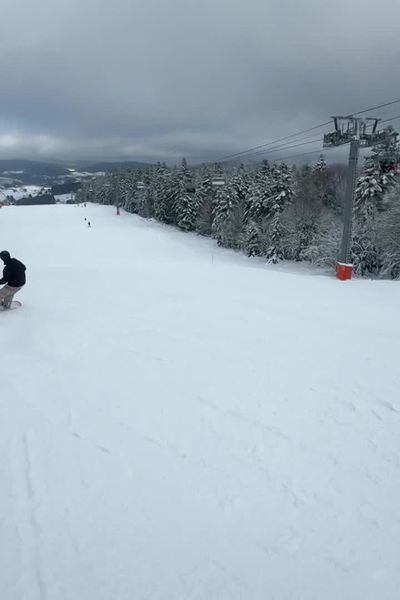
14	304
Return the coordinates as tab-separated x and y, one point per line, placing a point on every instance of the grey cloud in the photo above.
162	79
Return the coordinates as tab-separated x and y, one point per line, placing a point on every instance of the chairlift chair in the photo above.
218	180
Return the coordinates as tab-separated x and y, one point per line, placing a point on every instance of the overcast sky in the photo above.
162	79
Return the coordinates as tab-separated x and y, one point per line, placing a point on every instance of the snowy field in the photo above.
18	192
179	422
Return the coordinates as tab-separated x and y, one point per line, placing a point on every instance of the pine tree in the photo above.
320	165
224	208
187	212
166	206
281	194
258	194
323	179
230	201
372	187
205	201
186	206
129	198
252	239
159	186
388	236
364	249
302	217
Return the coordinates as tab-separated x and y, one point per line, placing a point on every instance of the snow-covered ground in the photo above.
18	192
84	174
179	422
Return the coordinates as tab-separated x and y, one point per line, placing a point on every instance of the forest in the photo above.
270	209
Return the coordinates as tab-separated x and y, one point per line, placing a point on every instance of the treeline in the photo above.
269	210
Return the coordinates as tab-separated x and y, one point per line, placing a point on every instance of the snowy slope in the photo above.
180	422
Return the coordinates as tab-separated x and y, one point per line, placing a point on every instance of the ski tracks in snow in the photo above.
27	502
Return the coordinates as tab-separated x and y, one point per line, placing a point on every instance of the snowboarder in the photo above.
13	277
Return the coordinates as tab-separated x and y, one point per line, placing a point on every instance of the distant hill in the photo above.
107	166
19	167
65	188
48	173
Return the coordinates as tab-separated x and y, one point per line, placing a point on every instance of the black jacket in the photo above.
14	273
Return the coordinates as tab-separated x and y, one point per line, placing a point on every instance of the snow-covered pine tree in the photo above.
103	190
388	235
301	219
364	248
373	185
229	209
205	200
223	210
323	179
143	200
158	189
133	194
170	201
252	242
280	198
129	199
258	194
187	212
186	205
320	165
239	186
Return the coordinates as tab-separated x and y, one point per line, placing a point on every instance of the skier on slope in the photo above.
13	277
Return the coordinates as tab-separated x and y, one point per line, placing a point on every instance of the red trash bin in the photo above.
344	271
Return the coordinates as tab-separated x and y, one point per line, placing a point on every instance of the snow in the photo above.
180	422
84	174
18	192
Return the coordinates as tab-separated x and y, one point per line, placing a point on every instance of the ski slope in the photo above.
179	422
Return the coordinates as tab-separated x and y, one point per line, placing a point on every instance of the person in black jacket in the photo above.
13	277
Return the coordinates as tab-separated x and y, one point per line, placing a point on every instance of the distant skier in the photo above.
89	224
13	277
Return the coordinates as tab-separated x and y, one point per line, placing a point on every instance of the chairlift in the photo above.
345	130
388	165
390	160
218	180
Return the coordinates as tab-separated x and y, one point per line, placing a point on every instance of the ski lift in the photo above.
218	180
390	161
345	130
140	185
369	136
388	165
